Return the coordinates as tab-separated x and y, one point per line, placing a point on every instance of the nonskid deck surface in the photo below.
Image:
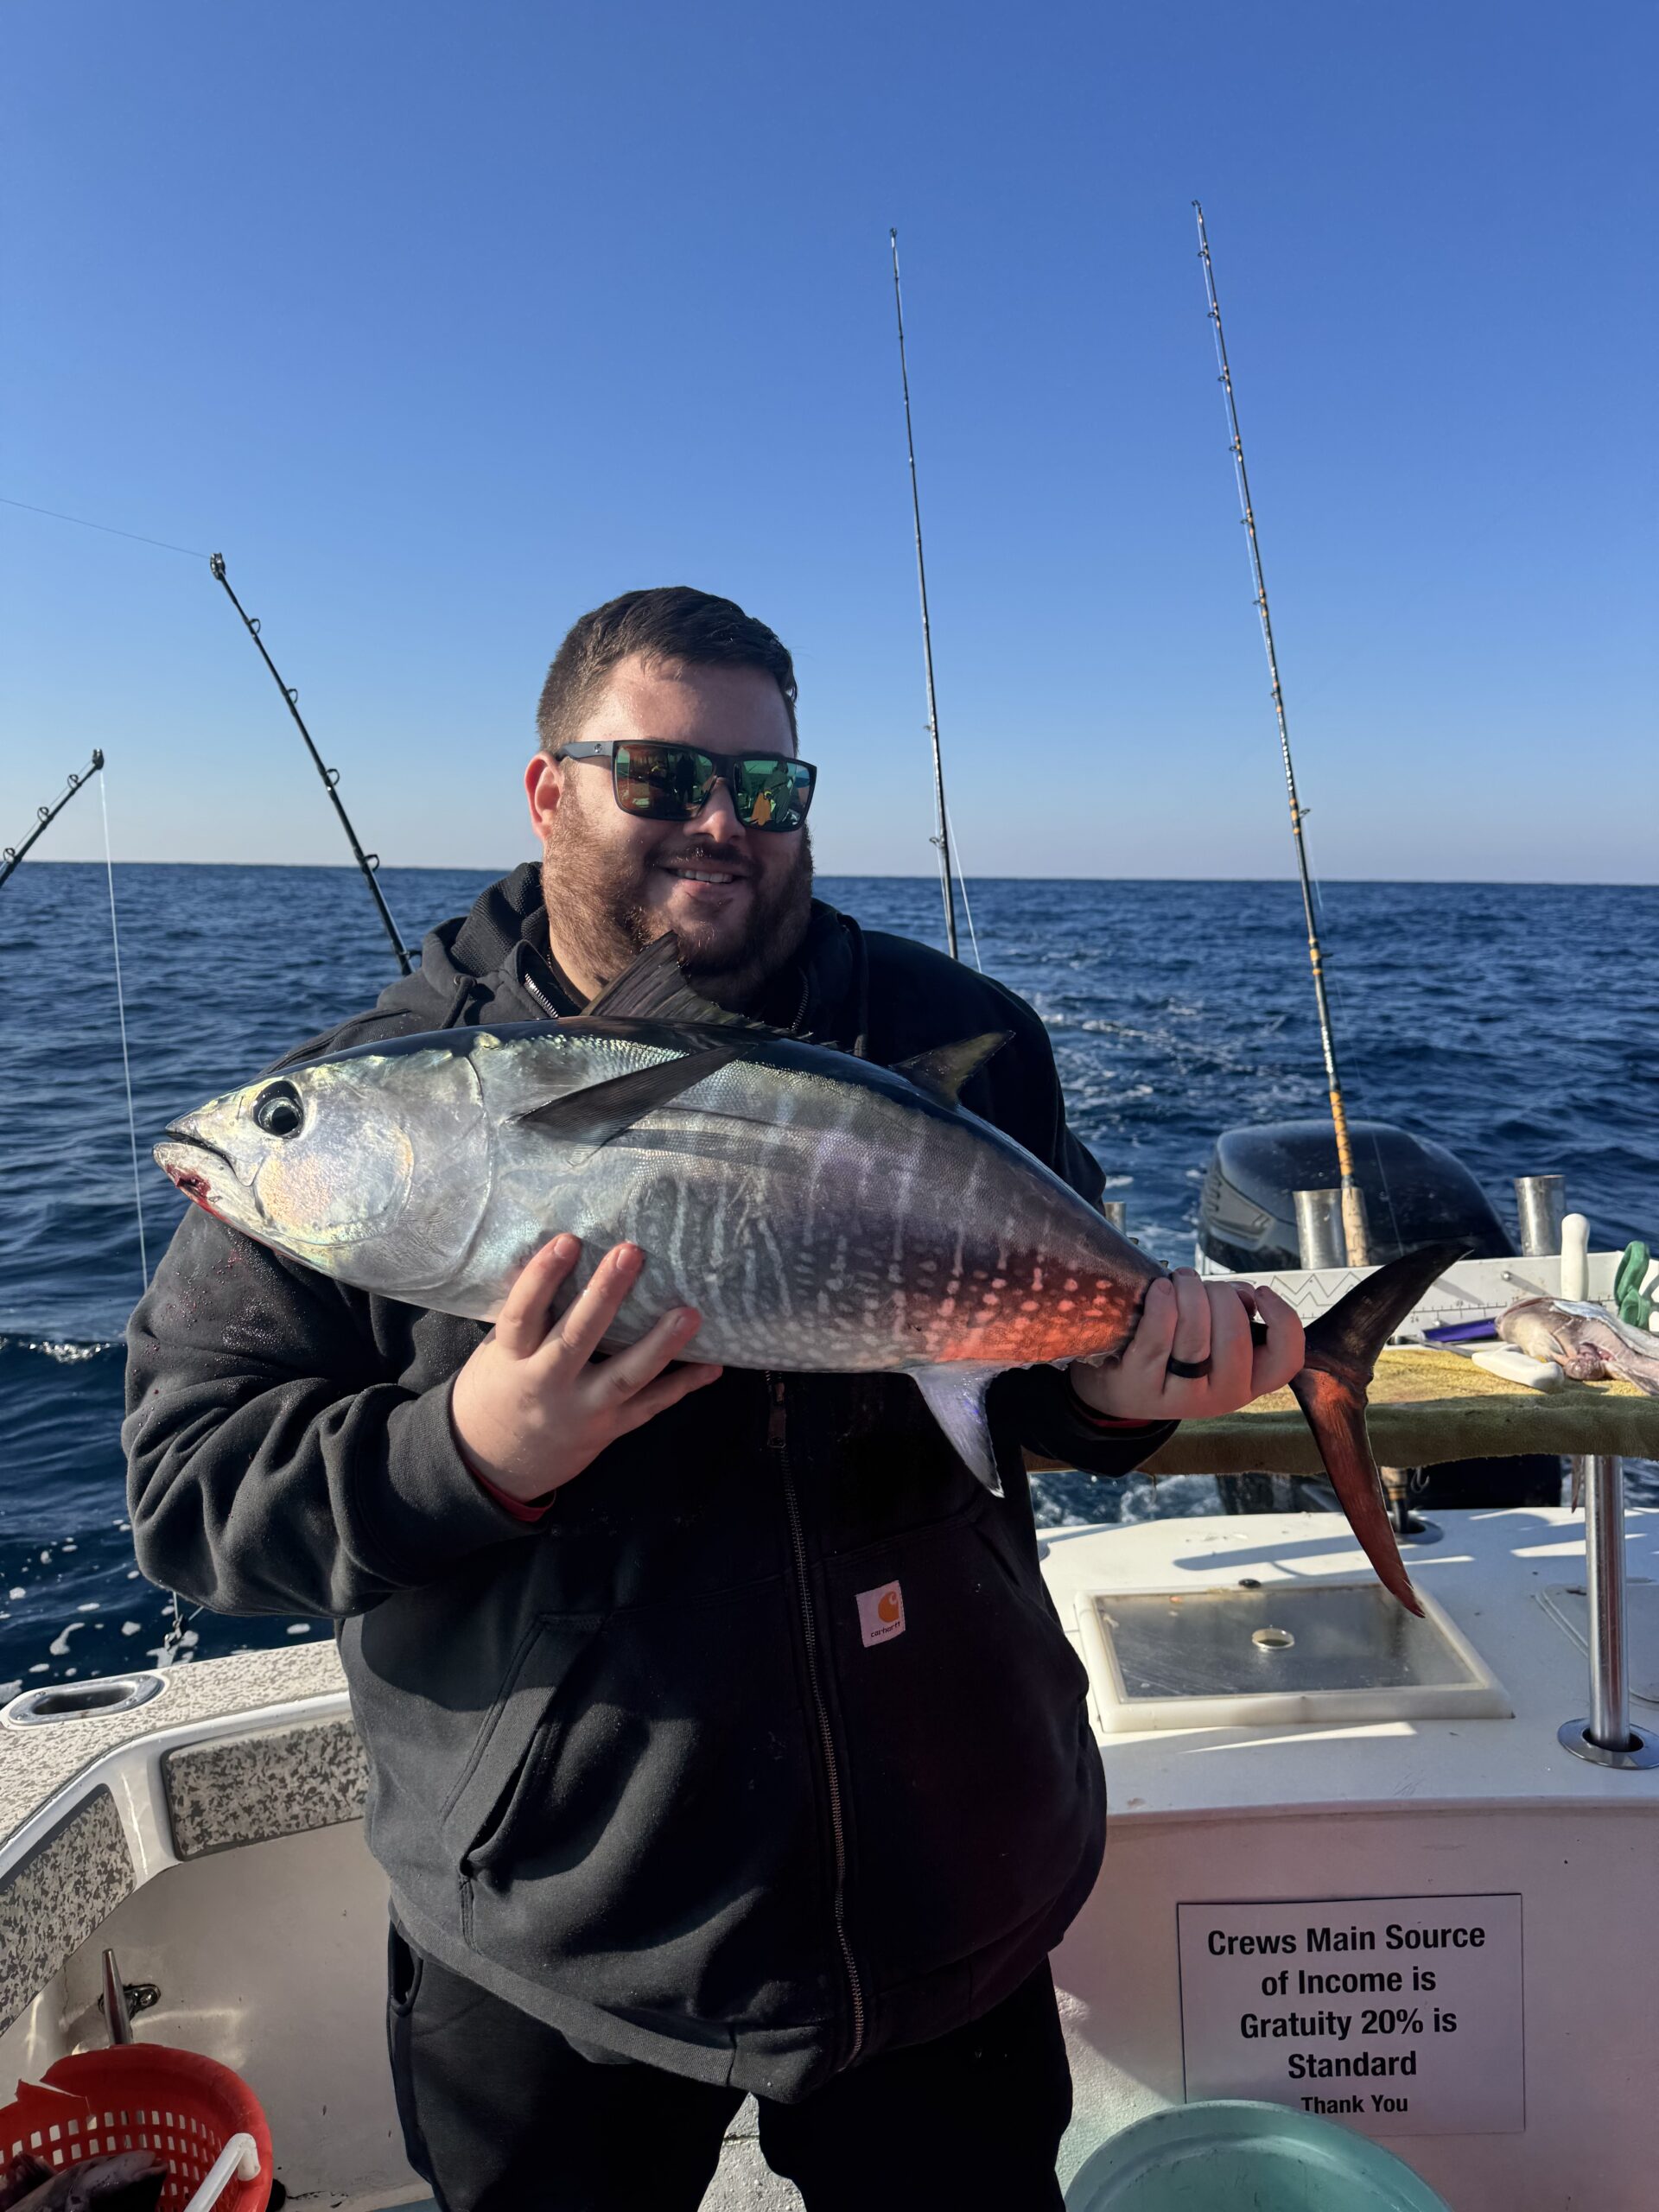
742	2185
376	2201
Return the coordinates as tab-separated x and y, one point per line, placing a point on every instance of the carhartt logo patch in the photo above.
880	1613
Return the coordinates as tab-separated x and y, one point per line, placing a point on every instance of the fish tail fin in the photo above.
955	1397
1342	1349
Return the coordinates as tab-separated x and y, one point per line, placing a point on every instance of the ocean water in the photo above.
1513	1023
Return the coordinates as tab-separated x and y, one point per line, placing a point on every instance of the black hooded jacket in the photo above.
764	1750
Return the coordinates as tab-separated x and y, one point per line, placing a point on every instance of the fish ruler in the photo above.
1472	1291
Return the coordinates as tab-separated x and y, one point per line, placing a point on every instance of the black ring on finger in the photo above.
1190	1370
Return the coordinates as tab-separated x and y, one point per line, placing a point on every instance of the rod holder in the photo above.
1606	1738
1117	1211
1410	1527
117	2018
1319	1229
1540	1202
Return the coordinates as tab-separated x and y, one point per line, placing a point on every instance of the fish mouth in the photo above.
188	1179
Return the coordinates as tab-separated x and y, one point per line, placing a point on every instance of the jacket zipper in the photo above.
776	1425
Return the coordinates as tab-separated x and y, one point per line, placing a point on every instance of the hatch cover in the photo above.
1232	1655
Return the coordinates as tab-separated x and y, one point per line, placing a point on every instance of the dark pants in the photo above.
501	2115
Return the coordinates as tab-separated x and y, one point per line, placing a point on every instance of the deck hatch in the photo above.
1232	1655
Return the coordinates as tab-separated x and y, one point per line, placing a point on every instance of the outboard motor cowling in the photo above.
1416	1192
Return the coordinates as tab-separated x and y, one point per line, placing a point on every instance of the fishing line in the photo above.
173	1636
126	1063
962	885
108	528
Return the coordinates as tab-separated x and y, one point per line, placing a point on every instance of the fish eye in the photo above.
277	1110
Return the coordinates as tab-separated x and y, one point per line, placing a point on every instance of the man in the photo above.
722	1737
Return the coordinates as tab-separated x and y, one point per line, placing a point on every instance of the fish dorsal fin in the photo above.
600	1111
942	1071
653	989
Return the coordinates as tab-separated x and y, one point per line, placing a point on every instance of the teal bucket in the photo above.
1232	2155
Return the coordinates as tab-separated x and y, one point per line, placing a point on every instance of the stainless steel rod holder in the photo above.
1603	1582
1540	1203
1117	1211
1606	1738
116	2016
1319	1229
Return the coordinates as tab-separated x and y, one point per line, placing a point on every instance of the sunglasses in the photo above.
674	782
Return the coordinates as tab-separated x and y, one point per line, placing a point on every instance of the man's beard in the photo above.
606	922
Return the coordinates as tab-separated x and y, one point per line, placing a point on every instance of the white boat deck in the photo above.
1489	1573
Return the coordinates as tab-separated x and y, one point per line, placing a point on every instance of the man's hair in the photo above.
673	622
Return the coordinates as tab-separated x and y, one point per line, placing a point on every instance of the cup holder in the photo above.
92	1700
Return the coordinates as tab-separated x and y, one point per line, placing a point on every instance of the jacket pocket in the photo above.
975	1782
518	1742
641	1828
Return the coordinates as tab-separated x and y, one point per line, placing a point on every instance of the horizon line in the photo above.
876	875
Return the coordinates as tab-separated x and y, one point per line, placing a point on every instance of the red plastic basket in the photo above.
142	2096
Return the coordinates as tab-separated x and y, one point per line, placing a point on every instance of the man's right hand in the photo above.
533	1406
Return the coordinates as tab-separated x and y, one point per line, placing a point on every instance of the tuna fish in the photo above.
820	1212
1585	1342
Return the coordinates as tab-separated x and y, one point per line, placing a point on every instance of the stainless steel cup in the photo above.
1319	1229
1541	1201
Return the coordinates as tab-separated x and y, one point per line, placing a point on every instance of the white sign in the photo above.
1400	2016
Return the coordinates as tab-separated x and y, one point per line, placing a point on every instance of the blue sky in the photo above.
445	323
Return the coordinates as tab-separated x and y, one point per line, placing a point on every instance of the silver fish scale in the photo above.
815	1223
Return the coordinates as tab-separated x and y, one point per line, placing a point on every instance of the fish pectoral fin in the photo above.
955	1397
942	1071
601	1111
653	989
1342	1349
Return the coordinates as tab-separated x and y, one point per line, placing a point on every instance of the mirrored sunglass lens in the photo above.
772	792
665	780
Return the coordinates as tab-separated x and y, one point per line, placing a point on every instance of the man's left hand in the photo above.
1194	1322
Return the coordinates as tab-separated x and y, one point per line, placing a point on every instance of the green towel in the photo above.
1630	1302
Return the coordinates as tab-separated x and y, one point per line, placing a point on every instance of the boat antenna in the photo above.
369	862
941	838
12	855
1356	1232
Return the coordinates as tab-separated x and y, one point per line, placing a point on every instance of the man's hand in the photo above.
1191	1321
533	1406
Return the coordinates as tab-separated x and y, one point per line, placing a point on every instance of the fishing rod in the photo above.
13	854
1356	1232
941	835
367	861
